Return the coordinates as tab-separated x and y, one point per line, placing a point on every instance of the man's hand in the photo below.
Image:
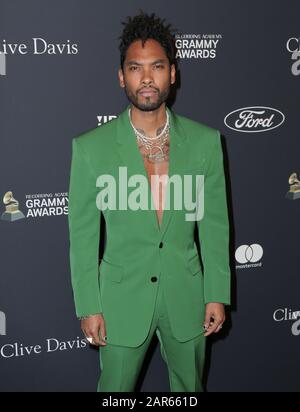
91	327
214	317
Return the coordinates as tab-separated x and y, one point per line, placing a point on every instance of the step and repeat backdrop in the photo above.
239	69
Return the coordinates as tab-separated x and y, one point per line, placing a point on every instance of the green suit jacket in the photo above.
137	250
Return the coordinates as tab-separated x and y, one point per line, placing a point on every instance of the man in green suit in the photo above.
150	279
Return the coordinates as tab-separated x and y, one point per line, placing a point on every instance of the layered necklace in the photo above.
156	144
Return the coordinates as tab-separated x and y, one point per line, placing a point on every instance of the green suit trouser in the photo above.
120	365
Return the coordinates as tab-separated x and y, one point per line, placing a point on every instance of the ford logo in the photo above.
254	119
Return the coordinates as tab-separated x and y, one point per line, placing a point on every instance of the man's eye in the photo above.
159	66
132	68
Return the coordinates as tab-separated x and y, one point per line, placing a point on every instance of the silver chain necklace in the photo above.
153	143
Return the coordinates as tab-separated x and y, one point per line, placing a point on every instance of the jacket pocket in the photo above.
111	270
194	265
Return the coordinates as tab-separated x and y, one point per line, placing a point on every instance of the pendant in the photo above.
156	157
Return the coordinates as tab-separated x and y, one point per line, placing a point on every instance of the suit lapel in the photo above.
131	158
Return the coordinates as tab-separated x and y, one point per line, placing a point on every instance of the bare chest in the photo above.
157	168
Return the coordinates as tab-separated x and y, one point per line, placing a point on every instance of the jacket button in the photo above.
161	244
153	279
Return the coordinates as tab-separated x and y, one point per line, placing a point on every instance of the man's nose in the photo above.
147	77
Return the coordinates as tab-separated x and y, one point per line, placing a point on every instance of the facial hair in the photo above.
149	105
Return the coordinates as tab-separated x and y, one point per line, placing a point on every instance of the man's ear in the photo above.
121	77
173	73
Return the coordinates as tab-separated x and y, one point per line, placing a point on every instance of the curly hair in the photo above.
144	26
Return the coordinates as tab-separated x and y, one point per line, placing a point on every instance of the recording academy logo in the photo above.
46	204
294	191
285	314
254	119
105	119
293	47
2	323
37	204
249	256
197	46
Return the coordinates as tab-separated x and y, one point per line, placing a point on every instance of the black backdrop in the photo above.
248	57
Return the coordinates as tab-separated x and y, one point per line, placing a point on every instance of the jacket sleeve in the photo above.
84	234
213	230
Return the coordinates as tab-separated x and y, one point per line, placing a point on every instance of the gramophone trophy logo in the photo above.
294	192
12	212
